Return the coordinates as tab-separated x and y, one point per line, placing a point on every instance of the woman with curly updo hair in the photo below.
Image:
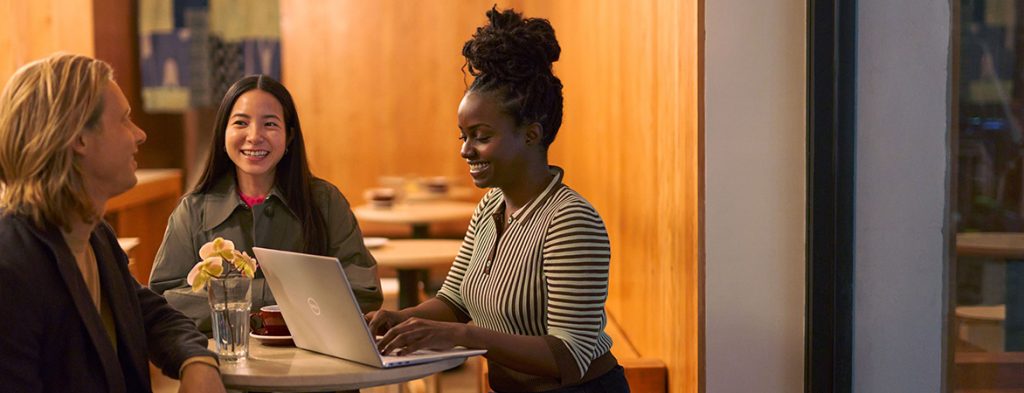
532	273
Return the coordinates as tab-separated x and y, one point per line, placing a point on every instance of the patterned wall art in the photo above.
191	51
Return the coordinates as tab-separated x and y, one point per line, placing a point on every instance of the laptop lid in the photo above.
322	313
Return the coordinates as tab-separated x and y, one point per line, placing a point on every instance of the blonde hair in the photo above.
44	108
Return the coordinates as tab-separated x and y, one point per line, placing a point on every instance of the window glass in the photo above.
989	202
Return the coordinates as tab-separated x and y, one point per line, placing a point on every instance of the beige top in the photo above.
85	258
417	213
290	369
86	261
416	253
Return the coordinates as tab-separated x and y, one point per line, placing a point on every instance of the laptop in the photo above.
323	315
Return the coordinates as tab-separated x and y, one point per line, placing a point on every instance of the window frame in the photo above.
831	131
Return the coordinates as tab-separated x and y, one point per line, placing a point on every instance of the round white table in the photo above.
419	215
290	369
411	258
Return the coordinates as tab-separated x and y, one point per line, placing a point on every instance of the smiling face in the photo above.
255	139
492	144
106	153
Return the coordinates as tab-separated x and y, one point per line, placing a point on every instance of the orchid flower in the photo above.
218	247
203	271
245	264
214	253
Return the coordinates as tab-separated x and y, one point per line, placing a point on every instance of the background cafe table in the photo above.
411	258
1008	247
454	193
420	214
290	369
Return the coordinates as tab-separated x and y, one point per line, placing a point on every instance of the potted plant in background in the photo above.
229	292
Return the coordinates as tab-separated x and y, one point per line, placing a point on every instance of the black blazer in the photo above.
52	338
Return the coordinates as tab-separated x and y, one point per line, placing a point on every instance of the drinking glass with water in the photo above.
230	301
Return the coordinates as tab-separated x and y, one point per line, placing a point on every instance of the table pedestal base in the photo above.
1014	324
409	287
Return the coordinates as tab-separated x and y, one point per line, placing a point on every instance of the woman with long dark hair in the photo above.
532	273
257	190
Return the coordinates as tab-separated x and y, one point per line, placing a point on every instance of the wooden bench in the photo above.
645	374
989	372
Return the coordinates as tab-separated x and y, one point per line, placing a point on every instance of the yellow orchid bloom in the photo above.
214	253
218	247
203	271
245	264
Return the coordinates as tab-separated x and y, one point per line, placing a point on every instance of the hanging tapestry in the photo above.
191	51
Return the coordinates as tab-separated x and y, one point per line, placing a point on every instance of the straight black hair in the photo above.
292	175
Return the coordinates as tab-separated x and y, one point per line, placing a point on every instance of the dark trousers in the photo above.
613	381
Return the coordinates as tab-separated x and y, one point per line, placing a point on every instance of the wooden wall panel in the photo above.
33	29
378	84
630	145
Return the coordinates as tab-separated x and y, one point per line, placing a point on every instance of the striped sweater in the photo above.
542	273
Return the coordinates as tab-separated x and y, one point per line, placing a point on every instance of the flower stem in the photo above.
227	317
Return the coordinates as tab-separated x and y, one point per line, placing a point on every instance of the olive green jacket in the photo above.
201	217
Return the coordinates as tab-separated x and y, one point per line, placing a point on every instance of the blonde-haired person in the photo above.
75	317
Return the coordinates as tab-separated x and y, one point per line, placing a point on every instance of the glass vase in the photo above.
230	301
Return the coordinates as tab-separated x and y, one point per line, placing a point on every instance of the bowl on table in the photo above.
381	198
268	326
436	185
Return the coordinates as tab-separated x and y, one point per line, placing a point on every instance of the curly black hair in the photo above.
512	56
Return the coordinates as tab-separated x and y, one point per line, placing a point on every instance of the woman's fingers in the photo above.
374	321
399	342
370	323
411	347
388	337
381	321
414	334
400	336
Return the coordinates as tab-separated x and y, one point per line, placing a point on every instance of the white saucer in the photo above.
273	340
374	242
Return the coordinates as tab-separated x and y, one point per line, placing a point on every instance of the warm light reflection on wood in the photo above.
378	83
33	29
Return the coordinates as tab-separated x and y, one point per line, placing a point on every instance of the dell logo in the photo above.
313	306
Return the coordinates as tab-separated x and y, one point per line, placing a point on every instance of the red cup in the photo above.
269	322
